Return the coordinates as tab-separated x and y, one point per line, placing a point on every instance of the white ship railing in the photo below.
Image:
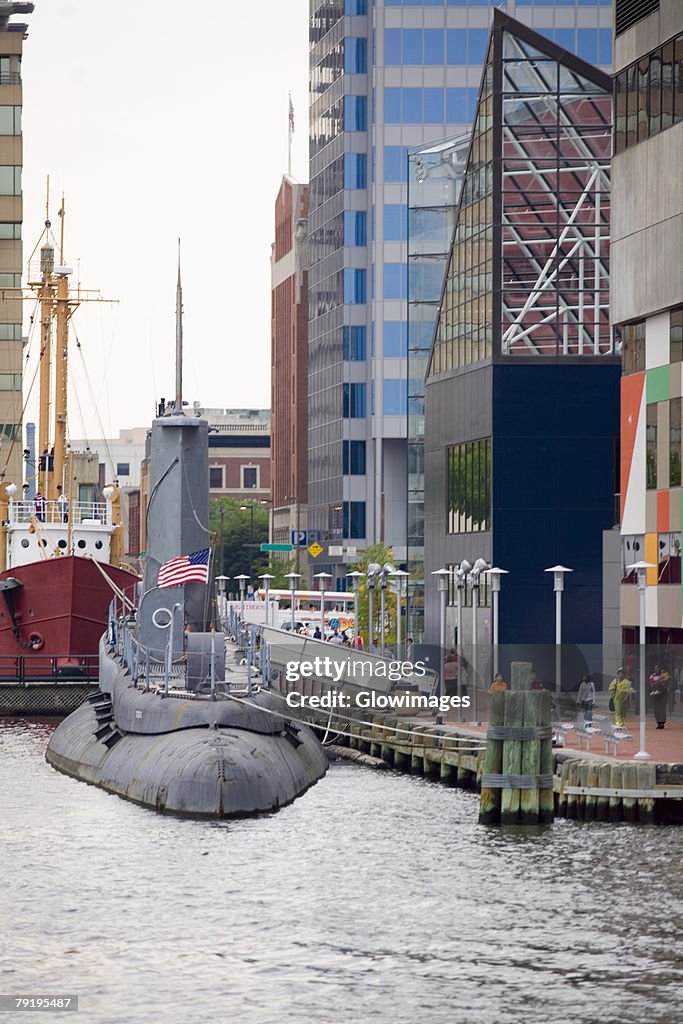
78	512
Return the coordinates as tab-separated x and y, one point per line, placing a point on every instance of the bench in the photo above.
613	735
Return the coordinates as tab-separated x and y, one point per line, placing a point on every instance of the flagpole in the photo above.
290	134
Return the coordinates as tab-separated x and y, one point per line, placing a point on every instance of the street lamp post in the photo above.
475	573
461	582
442	587
387	570
373	570
356	578
494	575
399	575
293	577
242	579
293	497
558	586
641	568
267	577
322	576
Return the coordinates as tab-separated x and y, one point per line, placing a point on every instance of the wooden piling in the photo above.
591	805
616	781
572	780
529	801
546	803
489	805
630	781
602	802
512	757
647	778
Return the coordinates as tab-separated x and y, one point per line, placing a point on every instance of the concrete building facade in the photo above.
647	309
12	35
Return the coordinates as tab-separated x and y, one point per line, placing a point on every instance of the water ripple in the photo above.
375	898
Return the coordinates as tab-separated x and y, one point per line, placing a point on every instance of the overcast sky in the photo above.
160	119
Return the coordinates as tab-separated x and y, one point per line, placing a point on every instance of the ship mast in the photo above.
179	343
46	298
62	314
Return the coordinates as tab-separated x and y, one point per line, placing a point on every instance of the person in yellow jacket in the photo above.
620	690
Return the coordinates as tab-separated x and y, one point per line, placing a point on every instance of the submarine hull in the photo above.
203	772
223	758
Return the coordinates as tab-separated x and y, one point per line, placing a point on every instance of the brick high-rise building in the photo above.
289	359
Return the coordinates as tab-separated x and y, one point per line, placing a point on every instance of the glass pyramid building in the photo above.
521	395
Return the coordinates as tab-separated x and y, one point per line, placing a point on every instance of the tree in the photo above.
381	555
239	530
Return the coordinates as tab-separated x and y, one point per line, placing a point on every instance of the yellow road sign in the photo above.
315	549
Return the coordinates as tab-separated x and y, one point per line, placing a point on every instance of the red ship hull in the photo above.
60	613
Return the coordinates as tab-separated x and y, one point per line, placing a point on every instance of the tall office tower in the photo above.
385	77
646	296
289	359
521	406
12	35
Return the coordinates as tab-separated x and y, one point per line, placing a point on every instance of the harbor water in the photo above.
373	898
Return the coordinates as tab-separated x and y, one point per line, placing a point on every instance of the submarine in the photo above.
172	727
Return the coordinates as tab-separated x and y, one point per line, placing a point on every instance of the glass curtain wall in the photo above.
435	175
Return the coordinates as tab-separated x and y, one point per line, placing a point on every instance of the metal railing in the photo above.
56	512
43	667
10	78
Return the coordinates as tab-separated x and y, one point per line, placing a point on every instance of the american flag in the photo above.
192	568
291	116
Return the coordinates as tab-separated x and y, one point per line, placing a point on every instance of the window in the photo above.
395	222
354	343
394	281
395	341
392	106
10	280
10	432
10	382
10	120
675	442
10	332
355	56
468	473
392	46
355	170
648	95
354	519
676	335
433	106
355	114
394	398
10	181
354	401
355	227
250	476
10	230
355	286
123	468
669	557
633	340
215	478
395	162
352	7
651	447
354	458
433	46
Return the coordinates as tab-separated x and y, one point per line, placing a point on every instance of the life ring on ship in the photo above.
36	641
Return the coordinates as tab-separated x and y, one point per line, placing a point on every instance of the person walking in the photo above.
586	698
620	691
498	685
450	673
658	686
409	648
